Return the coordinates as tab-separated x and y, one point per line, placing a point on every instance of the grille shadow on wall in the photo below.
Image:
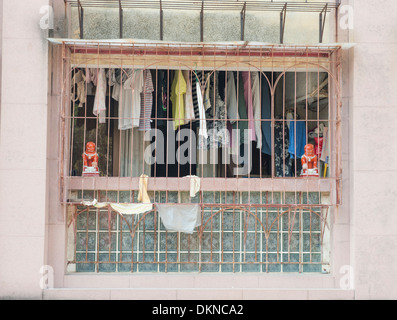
257	210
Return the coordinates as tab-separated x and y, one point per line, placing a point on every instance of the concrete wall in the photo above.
23	149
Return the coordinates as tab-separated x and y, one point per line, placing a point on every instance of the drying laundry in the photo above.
131	208
178	89
143	195
146	102
282	163
297	139
130	100
256	106
246	75
207	100
189	108
195	183
100	97
218	136
231	98
203	125
326	145
267	116
79	93
180	217
122	208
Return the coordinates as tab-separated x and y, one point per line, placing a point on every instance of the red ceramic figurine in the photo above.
309	162
90	161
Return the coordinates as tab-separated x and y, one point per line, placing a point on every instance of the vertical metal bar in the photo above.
65	99
72	123
242	20
133	238
233	226
256	234
322	22
284	119
81	19
282	22
202	22
336	22
260	121
97	123
84	128
98	216
121	19
74	222
120	244
161	21
272	117
86	234
109	216
301	242
321	27
267	236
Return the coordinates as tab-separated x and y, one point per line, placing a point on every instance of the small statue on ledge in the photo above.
90	161
309	162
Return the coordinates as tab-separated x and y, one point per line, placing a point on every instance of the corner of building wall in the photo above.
55	218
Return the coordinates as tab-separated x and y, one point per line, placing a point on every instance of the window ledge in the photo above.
207	184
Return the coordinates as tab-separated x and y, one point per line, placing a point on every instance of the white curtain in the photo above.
133	145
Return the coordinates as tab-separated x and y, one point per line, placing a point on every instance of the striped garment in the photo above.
146	102
200	75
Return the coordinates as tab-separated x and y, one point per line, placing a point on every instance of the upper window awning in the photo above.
322	8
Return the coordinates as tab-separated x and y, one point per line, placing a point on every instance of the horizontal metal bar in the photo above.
202	262
122	45
208	184
210	5
228	206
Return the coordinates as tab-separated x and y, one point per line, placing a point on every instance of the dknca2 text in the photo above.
219	309
199	310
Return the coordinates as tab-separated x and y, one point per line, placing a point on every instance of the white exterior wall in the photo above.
23	149
373	119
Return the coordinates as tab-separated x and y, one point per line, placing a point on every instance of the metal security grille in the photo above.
258	212
234	239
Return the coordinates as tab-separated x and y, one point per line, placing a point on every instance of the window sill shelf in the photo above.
207	184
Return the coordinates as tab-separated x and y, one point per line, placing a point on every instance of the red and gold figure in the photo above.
309	162
90	160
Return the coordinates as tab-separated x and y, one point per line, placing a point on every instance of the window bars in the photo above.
230	240
257	211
